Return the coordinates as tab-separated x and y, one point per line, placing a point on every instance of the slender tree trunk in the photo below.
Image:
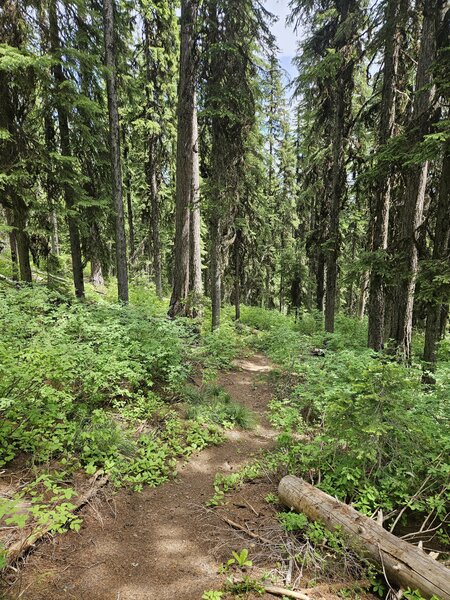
130	215
416	180
441	252
152	163
380	215
64	134
96	277
23	250
13	247
185	158
10	149
114	135
343	93
196	287
55	249
320	281
237	274
363	291
215	271
19	267
155	223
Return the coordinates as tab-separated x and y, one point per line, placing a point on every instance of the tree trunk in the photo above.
20	212
380	212
195	269
96	277
363	290
320	281
130	218
343	94
114	136
185	158
215	272
64	134
237	275
416	176
11	147
13	249
403	564
155	231
441	252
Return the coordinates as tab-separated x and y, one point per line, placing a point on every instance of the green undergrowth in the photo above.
361	426
101	388
211	404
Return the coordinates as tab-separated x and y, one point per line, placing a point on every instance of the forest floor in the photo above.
165	543
162	543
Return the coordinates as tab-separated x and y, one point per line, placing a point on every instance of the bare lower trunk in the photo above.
185	151
195	271
130	216
380	214
320	282
114	137
343	95
13	248
363	292
19	222
237	275
155	232
441	254
96	277
215	273
416	181
55	233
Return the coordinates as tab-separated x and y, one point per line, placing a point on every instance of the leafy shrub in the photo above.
60	362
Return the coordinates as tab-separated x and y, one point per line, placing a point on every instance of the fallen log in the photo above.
9	281
402	563
284	593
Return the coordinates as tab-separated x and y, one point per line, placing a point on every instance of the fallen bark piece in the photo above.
402	563
278	591
18	549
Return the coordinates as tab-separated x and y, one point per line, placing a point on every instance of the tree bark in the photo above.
13	248
362	301
11	148
96	277
320	281
114	135
416	176
343	93
130	216
380	212
22	246
185	158
195	268
64	134
441	252
237	275
403	564
215	271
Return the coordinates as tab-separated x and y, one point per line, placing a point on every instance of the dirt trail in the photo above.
157	544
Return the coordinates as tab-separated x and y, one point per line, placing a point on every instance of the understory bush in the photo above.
359	425
84	384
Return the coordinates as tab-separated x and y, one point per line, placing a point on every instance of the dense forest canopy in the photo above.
141	141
